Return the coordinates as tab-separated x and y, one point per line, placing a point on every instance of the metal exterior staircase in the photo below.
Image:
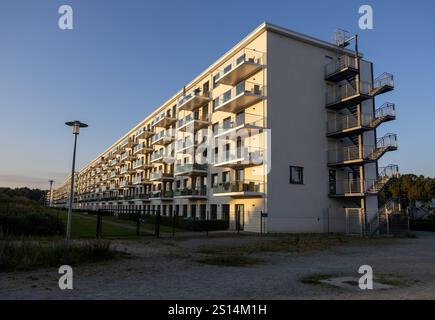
385	144
387	175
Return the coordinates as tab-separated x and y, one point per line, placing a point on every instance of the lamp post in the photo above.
50	200
76	125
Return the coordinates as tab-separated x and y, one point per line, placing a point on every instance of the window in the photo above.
296	175
214	179
225	176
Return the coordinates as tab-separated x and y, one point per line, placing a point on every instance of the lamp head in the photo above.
76	125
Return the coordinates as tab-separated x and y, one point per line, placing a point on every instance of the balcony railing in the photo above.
195	120
182	145
190	168
347	187
241	121
163	156
193	100
138	163
158	175
245	187
141	148
161	194
163	120
366	121
341	95
341	69
240	97
144	133
164	137
383	83
242	156
191	192
350	154
243	65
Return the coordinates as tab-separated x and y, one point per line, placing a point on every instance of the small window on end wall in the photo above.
296	175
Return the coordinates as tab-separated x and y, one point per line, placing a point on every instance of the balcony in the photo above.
240	97
143	133
242	123
382	84
240	157
125	184
350	155
161	176
126	144
244	64
341	69
138	164
193	121
190	169
140	180
162	157
239	189
193	100
161	195
354	187
127	157
142	148
140	196
163	138
163	120
191	193
183	145
342	126
346	188
341	96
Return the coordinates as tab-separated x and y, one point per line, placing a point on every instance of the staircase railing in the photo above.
380	219
387	109
388	140
385	79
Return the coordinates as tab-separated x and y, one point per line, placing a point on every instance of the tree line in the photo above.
410	188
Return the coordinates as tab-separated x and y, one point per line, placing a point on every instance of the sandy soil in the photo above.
168	269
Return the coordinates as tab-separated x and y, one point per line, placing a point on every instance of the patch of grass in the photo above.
392	280
84	226
16	255
316	279
230	260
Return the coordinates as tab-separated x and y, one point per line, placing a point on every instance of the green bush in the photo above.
31	224
422	225
28	255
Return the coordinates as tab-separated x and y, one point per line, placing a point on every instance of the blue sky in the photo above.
124	58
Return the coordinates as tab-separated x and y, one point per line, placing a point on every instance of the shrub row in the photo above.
28	255
31	224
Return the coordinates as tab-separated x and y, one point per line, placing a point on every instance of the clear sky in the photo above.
124	58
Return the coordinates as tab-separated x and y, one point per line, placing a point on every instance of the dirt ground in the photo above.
263	268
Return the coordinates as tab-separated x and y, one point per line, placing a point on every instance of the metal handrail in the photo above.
244	56
339	64
244	87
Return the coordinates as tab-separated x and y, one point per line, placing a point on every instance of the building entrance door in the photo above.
240	216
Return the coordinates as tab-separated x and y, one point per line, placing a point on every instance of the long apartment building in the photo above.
279	134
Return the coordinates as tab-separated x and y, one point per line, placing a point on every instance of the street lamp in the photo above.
76	125
50	200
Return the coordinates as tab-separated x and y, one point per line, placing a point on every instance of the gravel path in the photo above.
167	269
